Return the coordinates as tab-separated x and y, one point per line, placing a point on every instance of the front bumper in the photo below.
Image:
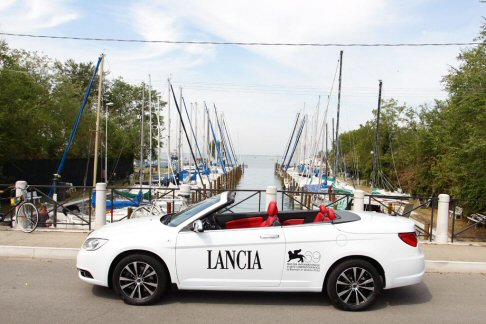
96	263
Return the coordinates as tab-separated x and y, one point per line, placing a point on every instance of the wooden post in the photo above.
426	231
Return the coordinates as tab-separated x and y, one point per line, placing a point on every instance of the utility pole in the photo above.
98	110
337	117
377	142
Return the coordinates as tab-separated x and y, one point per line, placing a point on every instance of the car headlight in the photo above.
93	243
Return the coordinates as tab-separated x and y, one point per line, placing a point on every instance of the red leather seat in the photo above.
272	215
321	214
331	214
325	214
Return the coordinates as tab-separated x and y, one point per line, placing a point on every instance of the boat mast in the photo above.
179	150
337	117
98	110
186	134
377	143
327	160
142	135
158	139
150	130
290	141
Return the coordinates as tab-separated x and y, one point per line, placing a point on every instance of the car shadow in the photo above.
245	298
104	292
410	295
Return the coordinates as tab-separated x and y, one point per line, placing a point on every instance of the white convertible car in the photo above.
351	256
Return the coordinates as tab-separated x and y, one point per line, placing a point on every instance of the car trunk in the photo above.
374	223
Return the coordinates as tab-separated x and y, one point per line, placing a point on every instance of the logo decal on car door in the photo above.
233	259
306	261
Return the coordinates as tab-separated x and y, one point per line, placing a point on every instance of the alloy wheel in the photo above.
355	286
138	280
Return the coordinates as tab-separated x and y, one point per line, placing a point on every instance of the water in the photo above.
260	172
257	176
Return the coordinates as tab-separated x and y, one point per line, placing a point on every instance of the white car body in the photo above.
258	259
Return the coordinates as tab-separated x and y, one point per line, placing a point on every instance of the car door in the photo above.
309	250
230	258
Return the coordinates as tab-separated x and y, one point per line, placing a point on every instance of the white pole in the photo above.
100	218
442	231
358	200
20	190
271	194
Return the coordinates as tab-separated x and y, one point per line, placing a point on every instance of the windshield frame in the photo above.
176	219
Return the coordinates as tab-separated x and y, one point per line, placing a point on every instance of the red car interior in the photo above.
325	214
272	215
293	221
286	218
244	222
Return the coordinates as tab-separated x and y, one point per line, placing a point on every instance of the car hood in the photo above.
136	225
377	223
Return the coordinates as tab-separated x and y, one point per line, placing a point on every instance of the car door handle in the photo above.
269	236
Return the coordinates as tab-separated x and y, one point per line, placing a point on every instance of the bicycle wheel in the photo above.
141	211
27	217
156	211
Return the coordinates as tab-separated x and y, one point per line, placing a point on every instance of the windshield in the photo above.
178	218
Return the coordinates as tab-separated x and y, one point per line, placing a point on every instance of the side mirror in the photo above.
197	226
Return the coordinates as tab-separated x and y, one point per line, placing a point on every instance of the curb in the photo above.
38	252
32	252
433	266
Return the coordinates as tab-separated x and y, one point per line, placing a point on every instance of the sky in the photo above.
260	89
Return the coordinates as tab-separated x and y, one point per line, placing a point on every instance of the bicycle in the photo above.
26	214
159	207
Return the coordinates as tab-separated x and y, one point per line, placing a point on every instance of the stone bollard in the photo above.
20	190
100	211
271	194
358	200
442	231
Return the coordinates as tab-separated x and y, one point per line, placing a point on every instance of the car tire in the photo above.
140	279
353	285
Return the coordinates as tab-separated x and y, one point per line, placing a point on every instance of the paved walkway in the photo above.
63	239
40	238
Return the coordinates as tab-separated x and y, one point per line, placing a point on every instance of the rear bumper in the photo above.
405	271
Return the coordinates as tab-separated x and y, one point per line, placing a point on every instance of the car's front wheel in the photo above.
353	285
139	279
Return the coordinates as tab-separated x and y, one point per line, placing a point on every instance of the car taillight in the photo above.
409	238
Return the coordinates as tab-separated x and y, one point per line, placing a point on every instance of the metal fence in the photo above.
421	210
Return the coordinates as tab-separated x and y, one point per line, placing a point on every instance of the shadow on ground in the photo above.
411	295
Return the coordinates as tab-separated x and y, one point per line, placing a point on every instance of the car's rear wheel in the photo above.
353	285
139	279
